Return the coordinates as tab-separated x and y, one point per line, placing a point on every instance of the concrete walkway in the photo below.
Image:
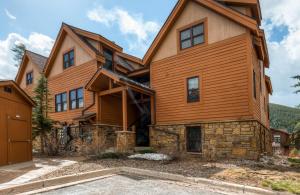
133	185
38	168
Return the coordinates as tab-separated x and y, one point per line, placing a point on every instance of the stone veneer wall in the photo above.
84	140
239	139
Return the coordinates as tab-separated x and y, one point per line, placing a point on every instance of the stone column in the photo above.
125	141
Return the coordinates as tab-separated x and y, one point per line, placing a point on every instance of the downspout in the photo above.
91	105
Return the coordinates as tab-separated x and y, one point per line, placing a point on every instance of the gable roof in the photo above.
21	91
210	4
96	37
123	80
36	59
68	30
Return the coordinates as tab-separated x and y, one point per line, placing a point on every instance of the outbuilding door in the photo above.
19	140
193	139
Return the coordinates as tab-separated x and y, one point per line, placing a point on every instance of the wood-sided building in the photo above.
30	70
200	88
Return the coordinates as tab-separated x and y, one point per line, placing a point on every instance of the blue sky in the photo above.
134	23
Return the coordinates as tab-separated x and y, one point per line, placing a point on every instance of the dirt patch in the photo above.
238	171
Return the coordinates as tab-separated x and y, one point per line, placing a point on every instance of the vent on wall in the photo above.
8	89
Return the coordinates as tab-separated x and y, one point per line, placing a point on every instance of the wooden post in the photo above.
152	101
124	109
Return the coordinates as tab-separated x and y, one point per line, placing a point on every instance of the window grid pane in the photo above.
193	89
192	36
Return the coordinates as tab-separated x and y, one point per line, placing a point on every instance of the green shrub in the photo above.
146	151
283	185
112	155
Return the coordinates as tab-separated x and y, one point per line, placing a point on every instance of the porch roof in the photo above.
102	76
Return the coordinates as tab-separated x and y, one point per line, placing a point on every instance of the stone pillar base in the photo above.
125	141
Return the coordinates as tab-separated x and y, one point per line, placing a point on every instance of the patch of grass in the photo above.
112	155
294	160
283	185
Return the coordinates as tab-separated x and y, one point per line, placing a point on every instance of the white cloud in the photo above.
132	25
8	14
284	54
36	42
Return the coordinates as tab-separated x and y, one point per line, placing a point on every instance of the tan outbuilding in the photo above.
15	124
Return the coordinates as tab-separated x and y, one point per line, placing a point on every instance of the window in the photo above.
8	89
61	102
192	36
68	59
260	82
108	55
254	84
29	78
277	139
76	98
193	89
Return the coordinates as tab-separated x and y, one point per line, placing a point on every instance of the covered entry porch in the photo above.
124	102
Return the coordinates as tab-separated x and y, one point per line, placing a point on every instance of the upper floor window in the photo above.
193	89
76	98
254	84
68	59
29	78
108	55
192	36
8	89
61	102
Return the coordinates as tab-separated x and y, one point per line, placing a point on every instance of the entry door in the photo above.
194	139
19	140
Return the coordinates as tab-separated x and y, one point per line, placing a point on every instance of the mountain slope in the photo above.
284	117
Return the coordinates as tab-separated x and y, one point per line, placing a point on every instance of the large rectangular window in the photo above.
68	59
193	89
254	84
29	78
192	36
76	98
108	55
61	102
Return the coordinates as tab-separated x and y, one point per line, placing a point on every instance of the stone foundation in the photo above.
246	139
125	141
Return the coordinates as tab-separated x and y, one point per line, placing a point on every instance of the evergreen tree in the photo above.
19	50
41	123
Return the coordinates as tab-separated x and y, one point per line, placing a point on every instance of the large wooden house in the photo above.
201	87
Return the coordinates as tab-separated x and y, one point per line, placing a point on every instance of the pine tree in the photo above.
19	50
41	123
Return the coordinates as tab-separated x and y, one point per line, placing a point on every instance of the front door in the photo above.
19	140
193	139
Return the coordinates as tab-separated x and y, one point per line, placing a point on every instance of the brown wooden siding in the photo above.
11	105
111	110
72	78
224	80
258	105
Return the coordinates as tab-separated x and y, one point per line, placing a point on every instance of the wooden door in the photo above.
193	135
19	140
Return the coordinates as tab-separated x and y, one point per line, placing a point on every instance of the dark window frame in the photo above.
68	59
77	99
7	89
189	98
29	80
61	103
192	36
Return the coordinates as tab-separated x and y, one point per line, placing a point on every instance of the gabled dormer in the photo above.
250	8
30	70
